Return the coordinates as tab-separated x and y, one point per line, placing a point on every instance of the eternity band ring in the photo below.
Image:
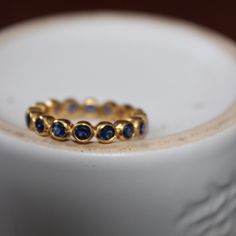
121	122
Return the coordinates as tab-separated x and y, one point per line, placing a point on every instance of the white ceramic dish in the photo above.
178	181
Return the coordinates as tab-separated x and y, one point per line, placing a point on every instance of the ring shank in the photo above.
128	122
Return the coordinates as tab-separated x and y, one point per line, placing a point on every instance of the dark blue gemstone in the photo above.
39	125
72	108
107	132
142	128
90	108
28	120
128	131
107	110
59	130
83	132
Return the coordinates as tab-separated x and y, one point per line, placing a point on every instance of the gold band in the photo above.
123	122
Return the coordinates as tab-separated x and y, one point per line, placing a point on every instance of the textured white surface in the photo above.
180	75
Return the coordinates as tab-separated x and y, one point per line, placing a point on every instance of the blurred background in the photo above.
217	14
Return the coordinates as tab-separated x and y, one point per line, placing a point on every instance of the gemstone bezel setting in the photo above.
46	121
128	131
39	125
31	115
142	128
28	120
83	132
60	129
125	129
106	132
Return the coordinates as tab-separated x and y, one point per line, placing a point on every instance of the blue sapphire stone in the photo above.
39	125
72	108
107	132
107	110
59	130
142	128
128	131
83	132
90	108
28	120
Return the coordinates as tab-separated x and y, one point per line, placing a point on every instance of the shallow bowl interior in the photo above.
181	75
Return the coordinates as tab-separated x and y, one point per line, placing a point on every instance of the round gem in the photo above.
90	108
39	125
72	108
28	120
142	128
82	132
107	132
128	131
59	130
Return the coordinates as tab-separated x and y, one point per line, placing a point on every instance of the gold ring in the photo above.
122	122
